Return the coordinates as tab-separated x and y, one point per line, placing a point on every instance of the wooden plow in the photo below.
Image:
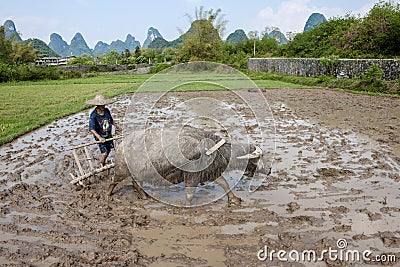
85	165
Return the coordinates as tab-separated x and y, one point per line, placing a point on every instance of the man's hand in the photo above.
117	128
101	139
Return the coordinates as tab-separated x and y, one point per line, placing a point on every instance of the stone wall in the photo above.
312	67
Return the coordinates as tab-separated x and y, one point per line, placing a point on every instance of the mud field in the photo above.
335	176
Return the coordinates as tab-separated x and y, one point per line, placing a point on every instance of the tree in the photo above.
15	52
83	60
111	58
290	35
322	41
267	30
215	17
22	53
169	53
137	52
377	34
141	60
253	35
203	40
149	54
5	47
126	53
266	47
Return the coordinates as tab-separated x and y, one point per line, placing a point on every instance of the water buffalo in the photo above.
188	155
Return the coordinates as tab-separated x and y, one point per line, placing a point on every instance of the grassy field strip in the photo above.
26	106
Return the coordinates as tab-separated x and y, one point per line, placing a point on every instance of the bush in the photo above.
160	67
372	80
330	63
393	87
84	60
72	74
372	74
131	67
141	60
5	72
47	73
25	72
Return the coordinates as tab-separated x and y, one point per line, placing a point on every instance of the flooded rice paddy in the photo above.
335	175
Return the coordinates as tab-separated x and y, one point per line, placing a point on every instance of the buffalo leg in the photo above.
115	179
232	199
111	188
114	183
140	190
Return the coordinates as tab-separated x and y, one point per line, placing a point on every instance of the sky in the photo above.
104	20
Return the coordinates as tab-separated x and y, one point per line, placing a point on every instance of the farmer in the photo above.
100	125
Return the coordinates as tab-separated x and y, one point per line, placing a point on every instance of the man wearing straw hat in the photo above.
100	125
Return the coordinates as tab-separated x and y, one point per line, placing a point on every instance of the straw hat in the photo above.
99	100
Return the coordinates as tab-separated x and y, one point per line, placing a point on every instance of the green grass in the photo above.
25	106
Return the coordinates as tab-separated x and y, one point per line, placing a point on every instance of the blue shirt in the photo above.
101	123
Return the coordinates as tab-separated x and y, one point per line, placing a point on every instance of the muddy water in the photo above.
236	117
328	183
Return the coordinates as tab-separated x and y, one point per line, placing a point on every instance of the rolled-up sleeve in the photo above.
92	122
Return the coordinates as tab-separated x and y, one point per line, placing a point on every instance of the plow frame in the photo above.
84	174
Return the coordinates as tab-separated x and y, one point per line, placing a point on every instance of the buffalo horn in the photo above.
255	154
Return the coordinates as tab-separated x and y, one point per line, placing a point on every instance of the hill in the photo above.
79	46
102	48
236	37
279	37
58	45
162	43
314	20
152	34
10	31
42	47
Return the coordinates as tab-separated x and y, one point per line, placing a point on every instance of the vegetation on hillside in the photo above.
43	49
374	36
